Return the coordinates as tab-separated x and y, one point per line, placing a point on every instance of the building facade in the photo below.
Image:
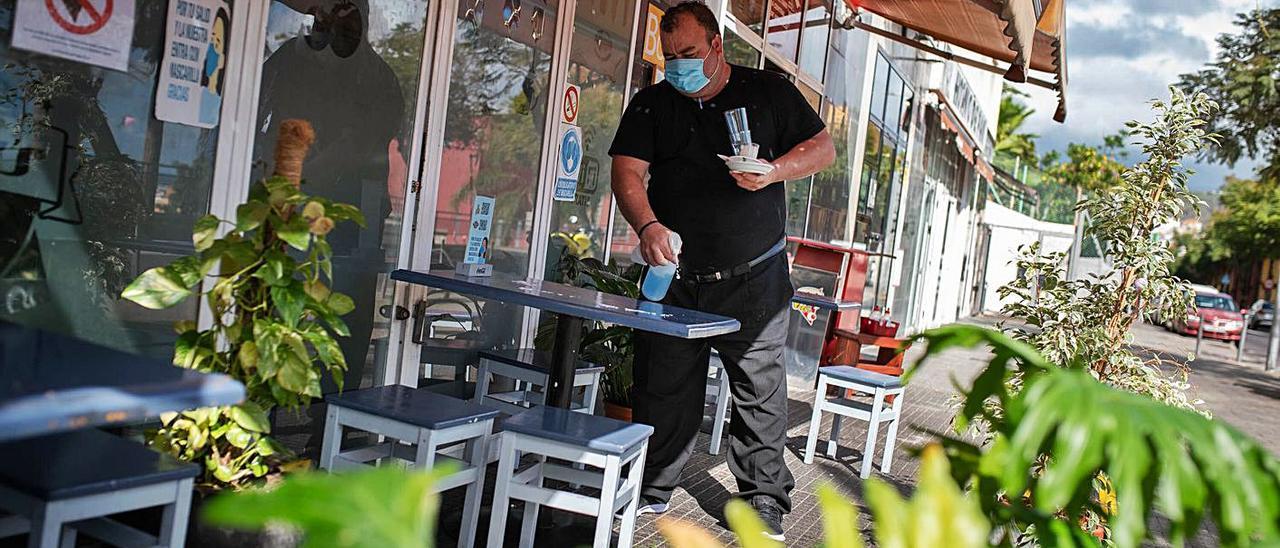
419	106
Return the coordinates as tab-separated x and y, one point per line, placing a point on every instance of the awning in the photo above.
1026	34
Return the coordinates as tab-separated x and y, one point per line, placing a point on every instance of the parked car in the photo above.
1261	314
1219	313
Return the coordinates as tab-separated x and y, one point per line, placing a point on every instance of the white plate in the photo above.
744	164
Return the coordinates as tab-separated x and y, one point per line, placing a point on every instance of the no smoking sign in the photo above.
80	16
570	112
94	32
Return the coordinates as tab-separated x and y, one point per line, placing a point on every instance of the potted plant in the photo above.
609	346
267	281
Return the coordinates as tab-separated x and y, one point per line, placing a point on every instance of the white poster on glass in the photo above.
194	68
95	32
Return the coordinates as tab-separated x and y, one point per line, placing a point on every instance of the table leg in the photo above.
564	358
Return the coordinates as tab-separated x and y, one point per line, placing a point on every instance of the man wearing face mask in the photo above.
732	262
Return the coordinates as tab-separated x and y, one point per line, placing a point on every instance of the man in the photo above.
733	228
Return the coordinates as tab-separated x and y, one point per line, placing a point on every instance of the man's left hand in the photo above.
753	182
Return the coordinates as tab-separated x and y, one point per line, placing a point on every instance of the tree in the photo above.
1244	80
1249	221
1009	139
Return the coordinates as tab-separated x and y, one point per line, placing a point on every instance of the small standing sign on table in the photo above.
476	262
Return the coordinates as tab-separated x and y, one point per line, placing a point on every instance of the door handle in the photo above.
398	312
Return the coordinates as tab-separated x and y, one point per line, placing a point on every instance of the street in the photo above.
1241	394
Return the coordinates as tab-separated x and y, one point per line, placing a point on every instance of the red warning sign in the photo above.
82	16
570	104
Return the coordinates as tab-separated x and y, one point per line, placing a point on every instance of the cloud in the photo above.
1123	53
1142	37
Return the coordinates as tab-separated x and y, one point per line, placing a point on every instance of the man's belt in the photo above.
740	270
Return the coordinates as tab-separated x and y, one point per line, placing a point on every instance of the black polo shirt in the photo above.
690	188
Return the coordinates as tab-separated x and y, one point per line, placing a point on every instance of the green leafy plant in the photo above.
1088	319
609	346
384	507
267	282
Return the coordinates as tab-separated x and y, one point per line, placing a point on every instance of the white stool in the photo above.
62	484
879	410
602	443
719	397
531	368
414	417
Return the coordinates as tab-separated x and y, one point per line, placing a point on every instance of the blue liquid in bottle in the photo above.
657	281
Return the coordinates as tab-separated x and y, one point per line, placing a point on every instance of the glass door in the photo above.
352	69
489	143
598	60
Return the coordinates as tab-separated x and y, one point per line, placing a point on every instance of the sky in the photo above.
1123	53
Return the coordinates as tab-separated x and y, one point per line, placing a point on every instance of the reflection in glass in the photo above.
749	12
497	110
598	66
783	32
813	39
94	190
798	206
739	52
829	216
879	86
354	75
893	103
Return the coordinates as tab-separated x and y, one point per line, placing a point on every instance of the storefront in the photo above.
419	106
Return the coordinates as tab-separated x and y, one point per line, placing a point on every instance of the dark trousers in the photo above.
671	380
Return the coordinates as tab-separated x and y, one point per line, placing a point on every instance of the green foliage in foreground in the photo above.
379	507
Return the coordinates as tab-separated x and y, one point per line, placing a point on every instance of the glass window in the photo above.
357	85
783	33
893	103
813	39
798	205
493	132
879	86
749	13
830	203
739	52
598	66
94	189
829	216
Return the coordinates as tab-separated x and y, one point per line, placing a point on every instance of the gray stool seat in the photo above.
419	427
534	360
577	449
413	406
531	371
862	376
61	485
601	434
85	462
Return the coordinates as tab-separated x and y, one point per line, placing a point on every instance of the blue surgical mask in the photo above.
687	76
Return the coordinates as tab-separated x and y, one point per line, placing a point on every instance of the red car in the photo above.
1222	318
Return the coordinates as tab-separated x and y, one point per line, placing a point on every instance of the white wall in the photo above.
1011	230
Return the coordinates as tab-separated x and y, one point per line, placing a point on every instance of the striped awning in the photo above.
1029	35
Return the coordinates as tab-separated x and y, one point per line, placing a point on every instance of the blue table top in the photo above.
51	383
824	302
577	301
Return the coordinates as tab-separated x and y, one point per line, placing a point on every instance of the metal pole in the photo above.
564	359
1199	336
1244	334
1273	349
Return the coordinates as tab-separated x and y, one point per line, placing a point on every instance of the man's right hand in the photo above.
655	245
